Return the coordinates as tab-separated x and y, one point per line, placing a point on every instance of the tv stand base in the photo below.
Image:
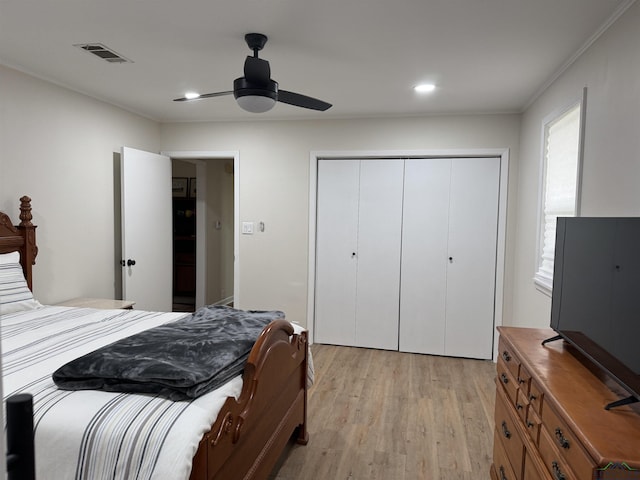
623	401
551	339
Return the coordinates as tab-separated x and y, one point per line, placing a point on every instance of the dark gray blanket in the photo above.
180	360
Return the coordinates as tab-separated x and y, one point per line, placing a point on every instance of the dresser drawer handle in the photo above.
530	424
521	381
519	406
502	475
505	430
532	397
504	378
506	357
563	442
557	473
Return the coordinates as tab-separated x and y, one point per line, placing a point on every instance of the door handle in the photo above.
128	263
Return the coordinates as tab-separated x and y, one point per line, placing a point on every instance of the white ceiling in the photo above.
363	56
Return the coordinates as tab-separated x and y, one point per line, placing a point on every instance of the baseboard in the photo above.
225	301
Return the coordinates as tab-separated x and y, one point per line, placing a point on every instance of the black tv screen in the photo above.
595	303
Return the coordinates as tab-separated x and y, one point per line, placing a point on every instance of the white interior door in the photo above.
146	229
336	247
378	253
425	233
359	215
471	274
450	224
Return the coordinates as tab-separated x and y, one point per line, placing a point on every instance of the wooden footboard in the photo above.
250	433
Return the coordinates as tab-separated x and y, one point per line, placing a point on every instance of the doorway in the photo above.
183	217
205	269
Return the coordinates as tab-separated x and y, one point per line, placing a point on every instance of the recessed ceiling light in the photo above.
191	95
424	88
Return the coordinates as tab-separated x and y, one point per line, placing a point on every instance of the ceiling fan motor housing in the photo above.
242	88
255	98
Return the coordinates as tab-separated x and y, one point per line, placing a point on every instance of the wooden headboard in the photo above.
20	238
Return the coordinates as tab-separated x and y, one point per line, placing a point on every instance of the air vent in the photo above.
105	53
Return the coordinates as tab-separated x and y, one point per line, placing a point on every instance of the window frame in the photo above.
542	281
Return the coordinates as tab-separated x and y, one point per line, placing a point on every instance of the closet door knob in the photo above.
353	254
131	263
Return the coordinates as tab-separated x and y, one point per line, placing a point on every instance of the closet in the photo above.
406	254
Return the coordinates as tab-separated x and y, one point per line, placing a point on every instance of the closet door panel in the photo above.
473	229
337	233
424	255
378	253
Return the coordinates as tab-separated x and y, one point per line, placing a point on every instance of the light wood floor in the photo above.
395	416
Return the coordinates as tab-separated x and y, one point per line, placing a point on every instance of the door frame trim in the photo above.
200	247
502	153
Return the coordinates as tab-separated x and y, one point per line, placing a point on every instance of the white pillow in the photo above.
15	295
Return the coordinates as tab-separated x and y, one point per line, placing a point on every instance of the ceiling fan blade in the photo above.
257	70
204	95
302	101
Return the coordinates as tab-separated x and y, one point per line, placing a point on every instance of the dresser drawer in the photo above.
555	463
507	380
522	405
523	380
535	397
501	463
509	359
507	433
566	443
533	471
533	424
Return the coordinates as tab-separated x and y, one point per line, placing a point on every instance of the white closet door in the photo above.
378	253
424	255
473	229
336	267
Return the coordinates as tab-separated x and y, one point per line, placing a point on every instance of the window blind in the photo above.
560	187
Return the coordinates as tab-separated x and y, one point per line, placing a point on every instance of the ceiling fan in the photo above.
256	92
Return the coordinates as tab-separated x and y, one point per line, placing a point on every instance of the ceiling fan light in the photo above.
424	88
256	103
191	95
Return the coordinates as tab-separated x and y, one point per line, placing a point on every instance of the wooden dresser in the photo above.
550	421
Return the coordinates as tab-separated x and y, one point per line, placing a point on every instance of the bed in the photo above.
237	431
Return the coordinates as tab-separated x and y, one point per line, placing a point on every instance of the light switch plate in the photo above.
247	228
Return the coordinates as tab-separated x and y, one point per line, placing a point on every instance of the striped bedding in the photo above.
93	435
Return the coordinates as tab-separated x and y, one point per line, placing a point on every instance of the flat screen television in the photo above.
595	304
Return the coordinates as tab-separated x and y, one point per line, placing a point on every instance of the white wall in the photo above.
610	69
274	183
58	147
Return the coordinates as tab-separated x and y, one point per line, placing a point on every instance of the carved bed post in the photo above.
29	250
303	434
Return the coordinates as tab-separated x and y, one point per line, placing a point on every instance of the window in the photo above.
560	185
